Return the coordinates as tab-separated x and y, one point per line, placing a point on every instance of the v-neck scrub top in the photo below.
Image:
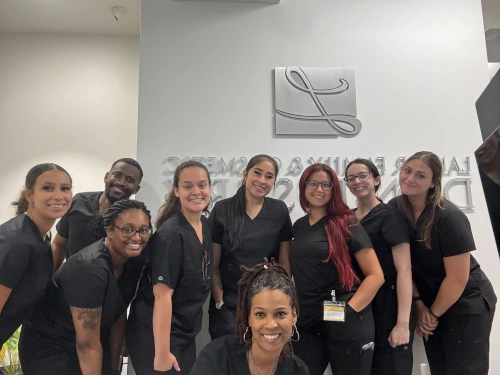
26	267
387	227
227	356
85	280
176	260
314	278
260	237
77	224
451	235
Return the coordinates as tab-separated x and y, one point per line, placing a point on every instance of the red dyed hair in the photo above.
339	218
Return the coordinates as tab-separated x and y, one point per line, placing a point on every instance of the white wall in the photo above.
68	99
206	85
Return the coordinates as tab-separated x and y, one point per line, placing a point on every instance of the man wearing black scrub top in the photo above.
75	230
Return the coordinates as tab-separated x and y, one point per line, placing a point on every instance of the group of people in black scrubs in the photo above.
364	279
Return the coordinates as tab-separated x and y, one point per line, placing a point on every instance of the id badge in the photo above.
334	311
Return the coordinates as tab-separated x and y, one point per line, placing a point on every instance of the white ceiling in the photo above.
95	16
69	16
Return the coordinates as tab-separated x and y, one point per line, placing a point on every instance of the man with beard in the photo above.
75	230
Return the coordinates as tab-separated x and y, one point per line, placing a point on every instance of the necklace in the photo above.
254	365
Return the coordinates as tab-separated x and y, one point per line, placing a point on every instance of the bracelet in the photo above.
434	315
416	298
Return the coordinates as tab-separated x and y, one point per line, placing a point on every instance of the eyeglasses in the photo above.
204	266
360	176
313	185
130	232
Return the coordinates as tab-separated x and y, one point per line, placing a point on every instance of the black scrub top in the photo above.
492	195
85	280
451	235
387	227
77	224
176	259
260	237
314	278
26	267
226	355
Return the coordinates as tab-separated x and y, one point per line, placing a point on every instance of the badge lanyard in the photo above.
334	311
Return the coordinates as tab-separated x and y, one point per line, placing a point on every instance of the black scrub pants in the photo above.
347	346
460	345
143	360
386	359
221	322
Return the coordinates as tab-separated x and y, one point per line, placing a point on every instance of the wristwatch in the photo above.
218	305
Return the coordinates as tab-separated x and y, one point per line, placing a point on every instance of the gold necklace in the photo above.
254	364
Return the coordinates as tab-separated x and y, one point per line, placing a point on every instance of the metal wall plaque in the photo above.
315	101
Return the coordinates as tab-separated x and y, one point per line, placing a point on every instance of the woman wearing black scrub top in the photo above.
167	313
332	252
246	229
80	326
266	318
455	300
390	237
26	262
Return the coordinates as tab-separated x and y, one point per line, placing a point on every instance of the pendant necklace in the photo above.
254	365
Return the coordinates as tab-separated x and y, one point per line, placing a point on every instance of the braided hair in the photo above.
108	217
270	275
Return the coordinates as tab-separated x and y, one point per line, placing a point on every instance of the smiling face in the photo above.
364	183
271	319
121	182
193	190
416	178
126	246
318	197
259	180
51	196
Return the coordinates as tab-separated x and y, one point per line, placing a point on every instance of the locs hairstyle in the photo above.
238	206
270	275
22	203
172	203
434	197
339	218
108	217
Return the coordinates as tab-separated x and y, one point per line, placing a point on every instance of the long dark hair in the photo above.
172	204
270	275
238	206
339	219
434	197
22	203
108	217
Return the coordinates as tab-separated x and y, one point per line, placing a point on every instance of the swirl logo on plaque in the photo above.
315	101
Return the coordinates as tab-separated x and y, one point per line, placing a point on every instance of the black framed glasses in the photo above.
129	232
360	176
205	269
313	185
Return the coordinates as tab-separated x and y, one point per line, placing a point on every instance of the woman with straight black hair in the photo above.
455	301
79	328
26	262
390	237
167	314
246	228
337	275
